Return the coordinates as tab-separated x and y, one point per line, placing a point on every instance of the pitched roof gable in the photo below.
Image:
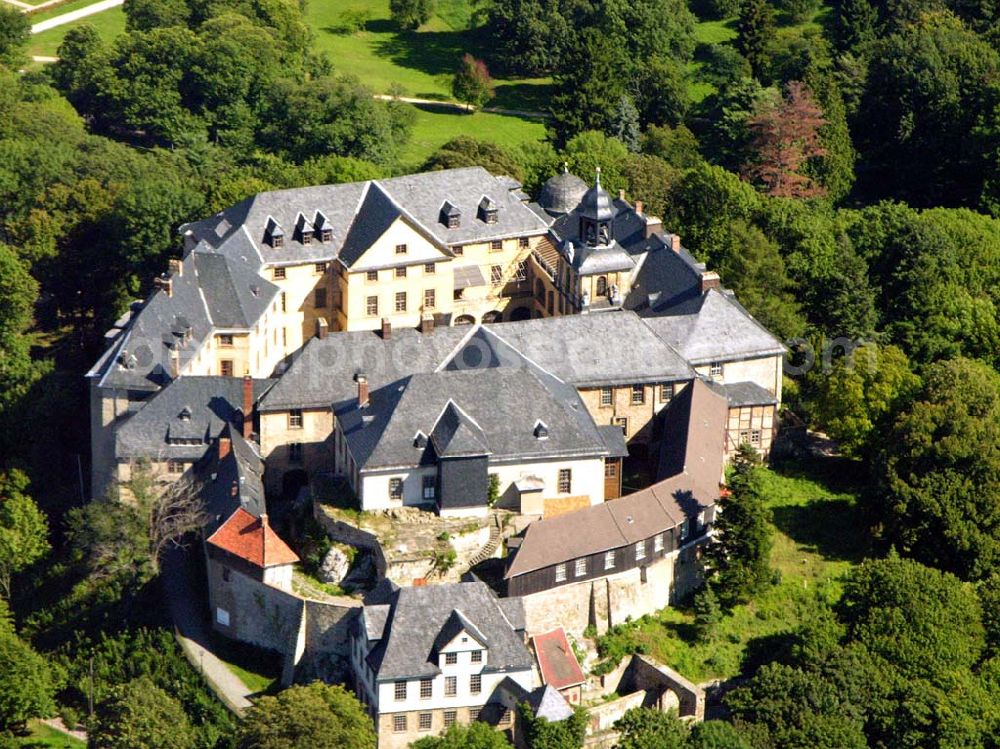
253	540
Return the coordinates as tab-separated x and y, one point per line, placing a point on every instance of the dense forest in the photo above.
839	169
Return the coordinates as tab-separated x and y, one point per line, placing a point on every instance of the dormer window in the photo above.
304	229
273	233
185	414
450	215
324	232
420	440
487	210
541	430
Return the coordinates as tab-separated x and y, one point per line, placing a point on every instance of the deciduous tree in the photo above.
411	14
23	529
476	735
472	83
140	715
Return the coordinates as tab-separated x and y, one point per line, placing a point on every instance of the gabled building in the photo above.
438	655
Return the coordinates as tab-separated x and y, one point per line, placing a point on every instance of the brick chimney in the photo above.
165	284
710	280
176	265
247	407
225	446
386	329
675	242
427	325
175	363
639	205
362	381
653	226
322	326
621	195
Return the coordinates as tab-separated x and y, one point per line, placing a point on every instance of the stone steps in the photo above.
491	545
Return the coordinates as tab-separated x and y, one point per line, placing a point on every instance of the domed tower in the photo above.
597	213
562	193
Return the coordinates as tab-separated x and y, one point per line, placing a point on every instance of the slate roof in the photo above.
562	192
556	660
233	482
235	293
419	197
748	394
693	469
209	404
416	617
546	702
499	410
718	330
253	540
665	280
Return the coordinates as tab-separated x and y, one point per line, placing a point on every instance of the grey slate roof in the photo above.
234	481
562	193
416	618
748	394
547	702
235	293
322	372
418	196
719	330
212	402
665	281
502	404
456	435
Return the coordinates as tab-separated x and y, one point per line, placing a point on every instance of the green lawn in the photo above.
40	735
58	10
258	669
818	538
433	129
109	24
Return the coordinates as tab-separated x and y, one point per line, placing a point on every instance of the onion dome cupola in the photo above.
597	214
562	193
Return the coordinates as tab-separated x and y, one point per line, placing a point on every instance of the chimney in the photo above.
427	325
164	283
175	363
321	328
639	205
386	329
247	407
225	446
362	389
710	280
675	242
621	195
176	265
653	226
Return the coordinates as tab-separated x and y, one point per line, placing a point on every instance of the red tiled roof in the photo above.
556	660
252	539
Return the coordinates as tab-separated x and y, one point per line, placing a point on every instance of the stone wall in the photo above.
345	533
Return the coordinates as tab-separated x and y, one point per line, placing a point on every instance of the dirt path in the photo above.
58	725
465	108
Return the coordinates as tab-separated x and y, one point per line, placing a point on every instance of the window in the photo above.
295	418
755	437
396	489
638	395
449	718
326	235
401	272
426	689
550	302
611	470
279	274
473	714
371	275
371	306
425	721
284	302
226	340
399	723
475	684
560	573
222	617
295	452
226	367
277	241
496	245
580	568
307	237
400	249
744	436
621	421
607	396
609	560
454	221
640	550
175	466
521	271
565	480
450	686
522	242
477	656
430	269
400	301
429	487
400	691
320	301
430	298
496	274
450	659
715	369
458	250
320	267
658	542
505	718
667	392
